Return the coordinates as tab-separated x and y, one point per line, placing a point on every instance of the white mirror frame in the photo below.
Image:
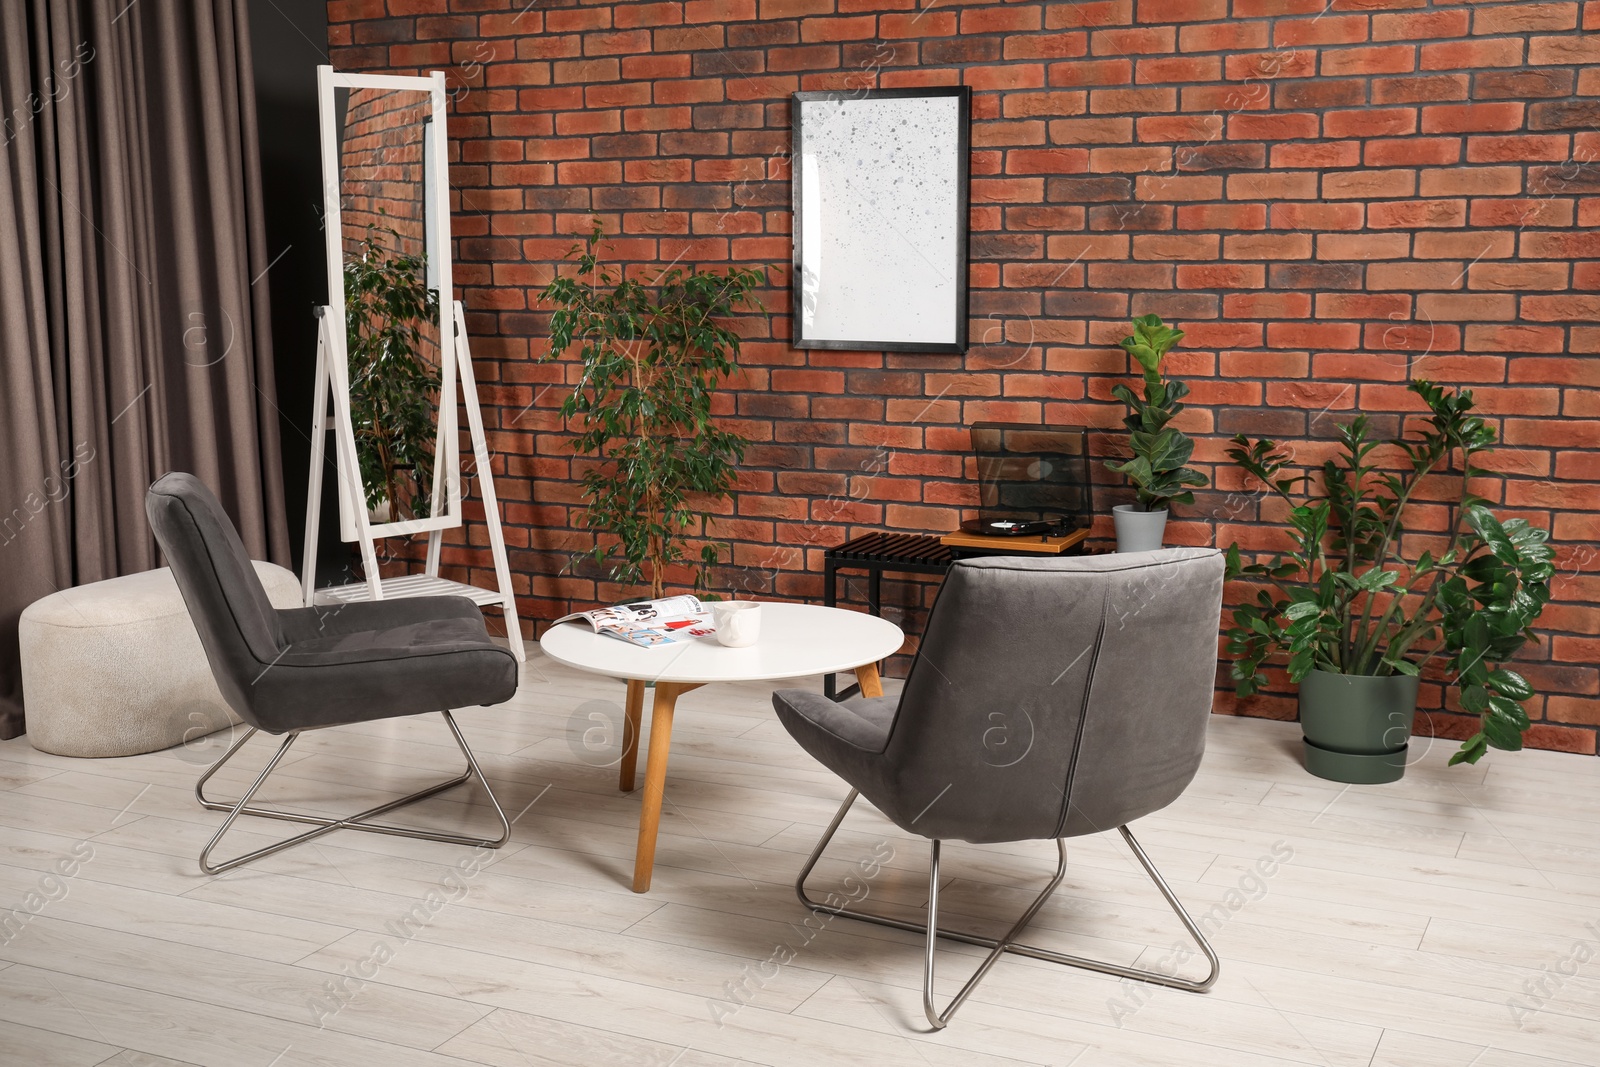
447	458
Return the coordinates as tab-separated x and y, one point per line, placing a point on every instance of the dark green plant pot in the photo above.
1358	729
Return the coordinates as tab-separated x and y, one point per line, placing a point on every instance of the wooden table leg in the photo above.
655	779
634	712
867	678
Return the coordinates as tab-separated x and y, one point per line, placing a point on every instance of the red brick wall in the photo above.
1327	201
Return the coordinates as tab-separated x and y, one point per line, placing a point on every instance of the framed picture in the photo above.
881	185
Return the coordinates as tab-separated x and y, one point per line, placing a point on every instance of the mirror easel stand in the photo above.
351	494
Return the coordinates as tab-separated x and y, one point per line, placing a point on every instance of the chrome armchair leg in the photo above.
359	821
1008	943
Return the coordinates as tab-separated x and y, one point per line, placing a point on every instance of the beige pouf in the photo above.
115	668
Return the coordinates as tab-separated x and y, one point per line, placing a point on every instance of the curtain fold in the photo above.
133	304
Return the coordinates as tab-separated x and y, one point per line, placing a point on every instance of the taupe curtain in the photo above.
133	312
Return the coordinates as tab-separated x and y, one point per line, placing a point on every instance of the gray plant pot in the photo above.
1358	729
1138	531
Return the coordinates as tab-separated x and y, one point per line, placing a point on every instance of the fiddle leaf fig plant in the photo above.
394	390
652	356
1158	467
1359	594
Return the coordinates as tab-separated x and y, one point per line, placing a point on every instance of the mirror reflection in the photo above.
392	303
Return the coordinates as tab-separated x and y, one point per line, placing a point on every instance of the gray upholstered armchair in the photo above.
1049	699
288	671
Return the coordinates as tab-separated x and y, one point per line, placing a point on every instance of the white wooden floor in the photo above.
1452	920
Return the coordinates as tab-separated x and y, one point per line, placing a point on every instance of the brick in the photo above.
1427	89
1412	26
1416	276
1318	216
1018	19
1190	129
1566	50
1417	214
1278	185
1413	151
1368	184
1140	159
1364	246
1576	307
1323	30
1459	307
1469	244
1177	69
1221	276
1523	85
1280	63
1118	101
1320	155
1377	59
1221	217
1458	55
1516	276
1046	46
1370	122
1564	115
1090	72
1089	189
1526	18
1209	157
1471	118
1248	126
1475	181
1320	93
1268	246
1233	36
1024	104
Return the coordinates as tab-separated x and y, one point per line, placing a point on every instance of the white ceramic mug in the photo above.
738	622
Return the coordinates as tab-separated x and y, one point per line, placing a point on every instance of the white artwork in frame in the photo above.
880	185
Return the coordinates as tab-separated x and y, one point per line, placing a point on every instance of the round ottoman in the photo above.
115	668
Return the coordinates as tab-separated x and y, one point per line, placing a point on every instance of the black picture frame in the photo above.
801	270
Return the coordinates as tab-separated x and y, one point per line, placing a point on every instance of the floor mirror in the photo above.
394	369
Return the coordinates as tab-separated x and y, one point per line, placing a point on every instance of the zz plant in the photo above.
1358	594
652	356
393	390
1158	468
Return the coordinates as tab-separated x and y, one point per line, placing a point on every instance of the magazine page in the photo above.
651	623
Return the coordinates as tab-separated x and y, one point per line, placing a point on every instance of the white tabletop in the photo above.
796	639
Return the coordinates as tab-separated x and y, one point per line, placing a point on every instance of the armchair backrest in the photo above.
1057	697
239	628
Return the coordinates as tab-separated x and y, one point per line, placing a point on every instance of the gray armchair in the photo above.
288	671
1049	699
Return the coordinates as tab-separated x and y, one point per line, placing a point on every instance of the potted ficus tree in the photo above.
1363	607
1158	468
394	389
652	356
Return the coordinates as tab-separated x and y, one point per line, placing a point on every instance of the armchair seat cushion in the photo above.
848	737
376	660
860	722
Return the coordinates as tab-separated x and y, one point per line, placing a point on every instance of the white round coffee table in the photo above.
796	640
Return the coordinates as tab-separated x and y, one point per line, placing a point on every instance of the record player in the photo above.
1011	527
1033	481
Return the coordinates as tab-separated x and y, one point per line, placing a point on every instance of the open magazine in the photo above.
651	623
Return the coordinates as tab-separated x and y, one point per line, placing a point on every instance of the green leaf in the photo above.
1510	684
1471	750
1502	734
